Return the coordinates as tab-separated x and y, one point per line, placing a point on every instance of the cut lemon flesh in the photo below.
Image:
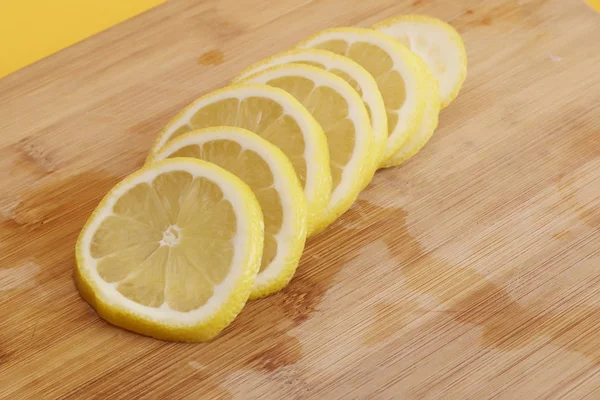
276	116
428	124
437	43
172	251
351	72
339	110
394	68
272	178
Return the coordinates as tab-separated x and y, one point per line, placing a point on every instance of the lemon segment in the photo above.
394	68
172	251
274	115
358	77
437	43
339	110
428	124
272	178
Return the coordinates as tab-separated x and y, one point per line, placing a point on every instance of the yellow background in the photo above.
595	4
33	29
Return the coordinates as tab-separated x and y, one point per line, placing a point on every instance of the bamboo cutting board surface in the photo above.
471	272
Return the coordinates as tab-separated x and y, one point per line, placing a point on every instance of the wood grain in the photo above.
470	272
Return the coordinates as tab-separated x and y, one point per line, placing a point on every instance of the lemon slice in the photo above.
172	251
276	116
351	72
395	70
272	178
345	121
437	43
428	124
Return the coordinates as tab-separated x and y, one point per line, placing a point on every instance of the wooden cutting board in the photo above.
471	272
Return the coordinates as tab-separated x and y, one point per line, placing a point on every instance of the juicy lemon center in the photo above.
380	65
167	242
330	109
254	171
260	115
171	236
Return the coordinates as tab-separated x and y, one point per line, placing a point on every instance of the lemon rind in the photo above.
178	326
428	125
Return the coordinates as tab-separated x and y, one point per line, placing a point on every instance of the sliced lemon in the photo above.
351	72
276	116
428	124
395	69
437	43
345	121
172	251
272	178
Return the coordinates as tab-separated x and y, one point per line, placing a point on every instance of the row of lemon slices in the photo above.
236	182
